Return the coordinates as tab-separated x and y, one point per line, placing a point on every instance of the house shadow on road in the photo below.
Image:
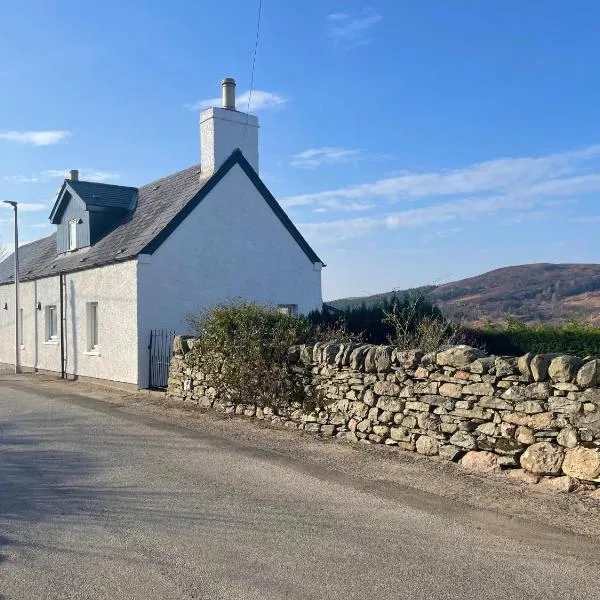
45	484
34	478
63	475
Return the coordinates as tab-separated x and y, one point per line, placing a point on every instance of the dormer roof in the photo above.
100	197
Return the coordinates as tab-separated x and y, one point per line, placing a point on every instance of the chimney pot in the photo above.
74	175
228	87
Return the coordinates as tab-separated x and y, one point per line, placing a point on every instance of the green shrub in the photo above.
516	338
242	349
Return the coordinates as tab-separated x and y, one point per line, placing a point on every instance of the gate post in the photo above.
150	360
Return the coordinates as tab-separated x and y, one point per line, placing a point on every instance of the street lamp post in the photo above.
18	333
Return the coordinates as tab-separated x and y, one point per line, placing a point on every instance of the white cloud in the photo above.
35	138
259	100
544	175
84	174
26	206
32	207
512	190
19	179
337	16
317	157
351	31
441	234
58	173
525	217
330	205
41	225
337	231
99	176
469	209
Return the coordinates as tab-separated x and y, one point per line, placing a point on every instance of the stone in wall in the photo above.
563	369
543	458
589	374
458	356
582	463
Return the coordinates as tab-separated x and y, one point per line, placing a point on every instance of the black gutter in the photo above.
61	277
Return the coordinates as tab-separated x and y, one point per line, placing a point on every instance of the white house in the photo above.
124	261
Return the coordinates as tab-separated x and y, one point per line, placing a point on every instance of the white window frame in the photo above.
72	234
51	324
288	309
93	346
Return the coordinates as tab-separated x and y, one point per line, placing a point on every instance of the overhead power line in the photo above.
253	67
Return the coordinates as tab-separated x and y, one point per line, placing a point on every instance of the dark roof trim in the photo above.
236	158
59	199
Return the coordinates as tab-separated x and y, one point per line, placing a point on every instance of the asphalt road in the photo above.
97	502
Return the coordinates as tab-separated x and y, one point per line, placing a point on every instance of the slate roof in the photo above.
161	206
104	194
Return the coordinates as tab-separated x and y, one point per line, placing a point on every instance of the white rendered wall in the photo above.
230	246
113	287
35	352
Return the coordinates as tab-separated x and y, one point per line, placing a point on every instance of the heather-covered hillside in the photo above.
550	293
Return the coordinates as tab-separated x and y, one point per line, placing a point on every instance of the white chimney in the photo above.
74	175
222	130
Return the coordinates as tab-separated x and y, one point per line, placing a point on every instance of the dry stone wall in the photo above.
537	412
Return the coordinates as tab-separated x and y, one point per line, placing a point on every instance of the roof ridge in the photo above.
76	181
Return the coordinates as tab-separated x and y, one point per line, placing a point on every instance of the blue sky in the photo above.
412	142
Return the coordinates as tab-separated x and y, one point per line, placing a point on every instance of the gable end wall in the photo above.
231	246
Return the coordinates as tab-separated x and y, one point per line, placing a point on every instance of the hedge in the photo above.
517	339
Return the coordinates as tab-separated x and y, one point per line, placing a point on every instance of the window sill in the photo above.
92	353
51	343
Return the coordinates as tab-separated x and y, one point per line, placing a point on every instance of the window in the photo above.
92	326
51	324
72	234
21	327
288	309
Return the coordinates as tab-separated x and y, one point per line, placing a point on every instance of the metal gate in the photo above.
161	351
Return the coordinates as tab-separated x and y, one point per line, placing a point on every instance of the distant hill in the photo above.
544	292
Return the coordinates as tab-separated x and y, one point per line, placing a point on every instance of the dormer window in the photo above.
72	234
85	212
